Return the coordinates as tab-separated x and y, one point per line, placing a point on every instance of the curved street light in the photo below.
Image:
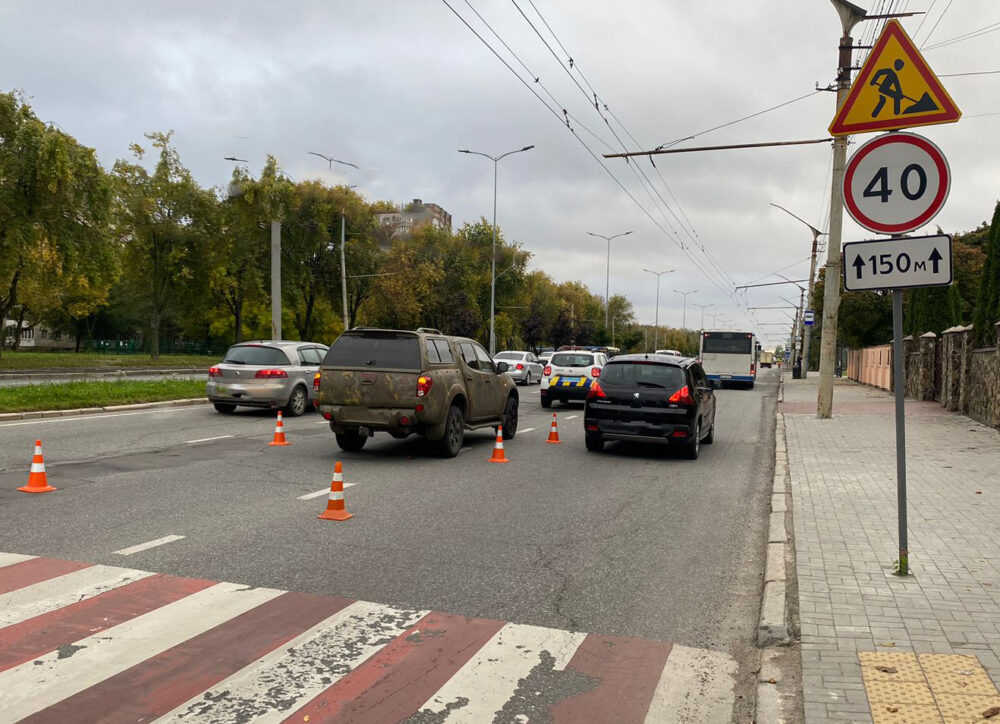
493	263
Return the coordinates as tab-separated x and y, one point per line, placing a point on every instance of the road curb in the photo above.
773	628
38	414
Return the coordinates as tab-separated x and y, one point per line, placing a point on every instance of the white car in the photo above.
523	367
569	375
671	352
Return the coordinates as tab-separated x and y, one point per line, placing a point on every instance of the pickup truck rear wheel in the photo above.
510	418
351	441
454	433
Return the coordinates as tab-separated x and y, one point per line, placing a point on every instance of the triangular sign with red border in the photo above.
895	89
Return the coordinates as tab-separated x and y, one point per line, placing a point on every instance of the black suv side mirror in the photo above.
502	367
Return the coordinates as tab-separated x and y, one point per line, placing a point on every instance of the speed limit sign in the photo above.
896	183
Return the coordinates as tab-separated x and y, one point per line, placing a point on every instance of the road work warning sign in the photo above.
894	89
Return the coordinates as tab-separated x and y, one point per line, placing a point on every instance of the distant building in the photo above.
35	336
401	221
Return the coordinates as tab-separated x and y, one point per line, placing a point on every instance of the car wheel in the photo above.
225	408
297	402
692	449
546	402
710	437
351	441
510	418
594	443
454	433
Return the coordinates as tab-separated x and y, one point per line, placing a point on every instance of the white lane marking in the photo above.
48	679
9	559
82	418
696	686
464	449
39	598
527	429
288	677
149	544
207	439
571	417
324	491
491	677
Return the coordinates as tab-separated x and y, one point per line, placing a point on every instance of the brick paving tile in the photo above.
843	501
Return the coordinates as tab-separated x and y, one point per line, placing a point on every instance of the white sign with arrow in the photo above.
917	261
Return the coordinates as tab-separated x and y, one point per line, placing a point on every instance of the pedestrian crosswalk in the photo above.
92	643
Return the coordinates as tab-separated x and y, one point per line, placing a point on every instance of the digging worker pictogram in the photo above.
887	80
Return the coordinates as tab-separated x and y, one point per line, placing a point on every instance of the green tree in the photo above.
164	222
988	302
932	309
54	193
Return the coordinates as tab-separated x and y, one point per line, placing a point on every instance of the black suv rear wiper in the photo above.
650	384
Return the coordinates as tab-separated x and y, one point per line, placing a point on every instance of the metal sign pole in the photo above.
899	385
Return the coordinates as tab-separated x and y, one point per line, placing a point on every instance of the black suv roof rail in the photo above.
428	330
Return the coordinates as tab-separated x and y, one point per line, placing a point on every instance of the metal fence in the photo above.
138	346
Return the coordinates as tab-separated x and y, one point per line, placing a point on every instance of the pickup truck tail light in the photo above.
424	384
682	396
547	371
316	382
270	374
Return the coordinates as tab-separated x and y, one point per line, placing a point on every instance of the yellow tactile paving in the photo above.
905	714
956	706
937	688
906	665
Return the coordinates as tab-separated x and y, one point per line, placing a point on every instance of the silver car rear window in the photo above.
255	354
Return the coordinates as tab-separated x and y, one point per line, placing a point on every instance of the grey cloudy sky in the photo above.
398	86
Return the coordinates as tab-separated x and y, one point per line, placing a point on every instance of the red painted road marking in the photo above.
36	570
165	681
39	635
628	671
392	685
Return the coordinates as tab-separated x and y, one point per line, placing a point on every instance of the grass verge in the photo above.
95	360
71	395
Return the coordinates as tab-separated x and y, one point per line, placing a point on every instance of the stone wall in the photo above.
970	378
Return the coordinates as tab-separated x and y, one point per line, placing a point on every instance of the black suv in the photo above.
651	398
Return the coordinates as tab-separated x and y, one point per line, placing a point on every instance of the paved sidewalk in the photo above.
843	485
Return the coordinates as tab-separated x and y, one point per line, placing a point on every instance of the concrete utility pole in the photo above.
656	324
275	280
807	335
850	15
493	263
607	274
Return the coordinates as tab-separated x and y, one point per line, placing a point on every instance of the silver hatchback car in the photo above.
268	374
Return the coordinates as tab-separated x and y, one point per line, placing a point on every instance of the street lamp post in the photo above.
812	274
343	232
684	324
607	275
493	262
703	308
656	324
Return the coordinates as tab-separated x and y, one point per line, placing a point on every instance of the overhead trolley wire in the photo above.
580	140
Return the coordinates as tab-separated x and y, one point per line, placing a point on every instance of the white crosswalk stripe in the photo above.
32	686
24	603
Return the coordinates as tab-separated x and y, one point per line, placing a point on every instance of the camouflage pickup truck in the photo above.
405	383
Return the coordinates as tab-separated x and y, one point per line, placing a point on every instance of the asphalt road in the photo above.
631	542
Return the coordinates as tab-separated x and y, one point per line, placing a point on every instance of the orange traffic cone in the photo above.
37	481
335	505
498	456
279	433
554	432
